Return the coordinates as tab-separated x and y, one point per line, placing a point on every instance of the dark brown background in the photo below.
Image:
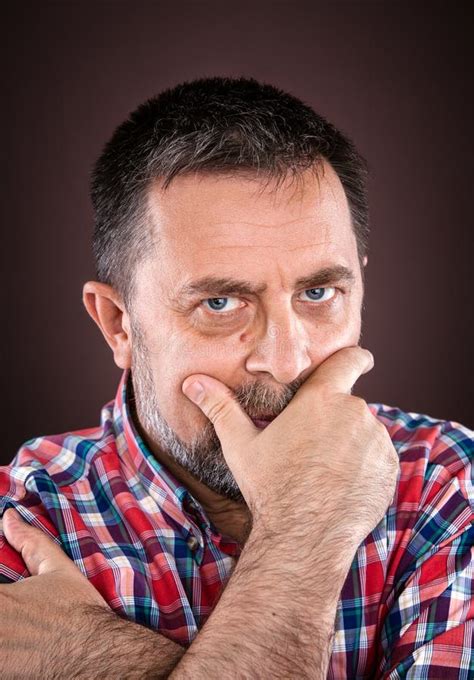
397	77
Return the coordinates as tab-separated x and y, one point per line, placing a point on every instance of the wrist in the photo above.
307	548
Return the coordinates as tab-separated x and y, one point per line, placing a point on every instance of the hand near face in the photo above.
325	456
46	618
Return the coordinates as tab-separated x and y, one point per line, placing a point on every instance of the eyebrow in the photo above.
229	286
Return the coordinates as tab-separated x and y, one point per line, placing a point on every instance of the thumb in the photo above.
39	552
233	426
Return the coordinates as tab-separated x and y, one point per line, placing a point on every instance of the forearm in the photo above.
275	618
113	647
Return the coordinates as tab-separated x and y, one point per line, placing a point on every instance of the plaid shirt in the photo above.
139	536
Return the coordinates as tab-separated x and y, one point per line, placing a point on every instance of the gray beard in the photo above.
202	457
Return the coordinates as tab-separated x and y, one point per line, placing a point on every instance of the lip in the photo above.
262	424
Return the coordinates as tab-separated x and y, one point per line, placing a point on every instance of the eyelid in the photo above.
325	288
216	312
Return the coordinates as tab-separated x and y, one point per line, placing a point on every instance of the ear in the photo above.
107	310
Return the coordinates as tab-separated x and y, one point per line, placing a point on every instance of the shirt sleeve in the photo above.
12	566
14	494
428	632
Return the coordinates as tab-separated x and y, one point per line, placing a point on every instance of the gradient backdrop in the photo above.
395	76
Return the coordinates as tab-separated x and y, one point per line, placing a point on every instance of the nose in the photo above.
281	350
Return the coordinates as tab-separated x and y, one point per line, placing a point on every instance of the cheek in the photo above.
329	339
217	358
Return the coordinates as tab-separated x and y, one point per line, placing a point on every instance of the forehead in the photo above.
231	225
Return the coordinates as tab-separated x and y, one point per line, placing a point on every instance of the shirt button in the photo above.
193	542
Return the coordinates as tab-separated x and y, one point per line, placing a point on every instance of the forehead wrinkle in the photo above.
286	248
264	225
219	240
311	245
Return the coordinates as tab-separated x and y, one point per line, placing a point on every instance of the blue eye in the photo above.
319	294
221	304
231	304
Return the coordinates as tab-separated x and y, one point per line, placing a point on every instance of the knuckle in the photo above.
382	432
391	456
218	410
357	355
359	405
395	461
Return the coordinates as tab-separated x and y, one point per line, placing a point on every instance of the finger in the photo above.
233	426
340	371
39	552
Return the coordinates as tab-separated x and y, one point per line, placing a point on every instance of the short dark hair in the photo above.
215	125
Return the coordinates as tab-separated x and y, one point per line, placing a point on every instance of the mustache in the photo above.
259	399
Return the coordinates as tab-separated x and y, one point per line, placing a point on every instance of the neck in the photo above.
231	518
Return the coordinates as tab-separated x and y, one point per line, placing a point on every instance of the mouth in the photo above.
263	421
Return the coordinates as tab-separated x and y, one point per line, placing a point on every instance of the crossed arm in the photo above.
56	624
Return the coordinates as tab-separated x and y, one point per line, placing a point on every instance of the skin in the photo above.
268	342
55	624
203	225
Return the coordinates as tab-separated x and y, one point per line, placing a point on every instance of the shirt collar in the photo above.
133	450
138	450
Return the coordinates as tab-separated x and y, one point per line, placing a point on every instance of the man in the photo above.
238	512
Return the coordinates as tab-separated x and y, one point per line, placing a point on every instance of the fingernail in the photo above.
194	391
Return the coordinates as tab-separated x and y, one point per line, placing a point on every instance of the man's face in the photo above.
266	322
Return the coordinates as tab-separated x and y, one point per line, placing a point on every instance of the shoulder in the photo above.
49	466
46	474
63	458
429	534
436	463
434	500
445	448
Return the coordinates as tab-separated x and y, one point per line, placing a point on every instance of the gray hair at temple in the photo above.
209	125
